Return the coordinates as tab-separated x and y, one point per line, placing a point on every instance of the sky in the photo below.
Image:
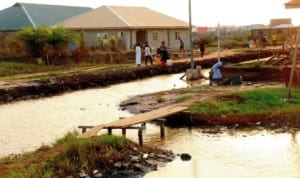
203	13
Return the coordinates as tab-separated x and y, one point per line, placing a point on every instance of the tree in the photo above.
42	38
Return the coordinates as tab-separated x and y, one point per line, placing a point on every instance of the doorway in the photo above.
141	36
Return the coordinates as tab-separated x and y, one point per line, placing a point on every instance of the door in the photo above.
141	36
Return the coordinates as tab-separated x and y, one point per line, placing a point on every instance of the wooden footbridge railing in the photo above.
130	122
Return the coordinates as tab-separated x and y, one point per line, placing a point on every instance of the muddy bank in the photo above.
89	160
59	85
144	103
283	122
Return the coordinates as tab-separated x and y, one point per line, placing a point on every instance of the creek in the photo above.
26	125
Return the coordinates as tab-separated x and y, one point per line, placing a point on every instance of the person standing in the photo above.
163	53
138	54
274	39
202	48
216	73
264	42
148	54
181	44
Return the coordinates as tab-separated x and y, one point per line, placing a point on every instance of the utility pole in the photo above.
293	68
218	38
191	36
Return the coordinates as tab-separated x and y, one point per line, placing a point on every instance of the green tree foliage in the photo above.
114	42
45	41
82	51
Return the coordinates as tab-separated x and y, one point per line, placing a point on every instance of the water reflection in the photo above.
26	125
243	154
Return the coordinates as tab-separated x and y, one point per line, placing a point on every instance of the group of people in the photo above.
161	51
138	54
200	44
164	56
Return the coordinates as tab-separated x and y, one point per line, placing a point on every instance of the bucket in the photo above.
169	62
157	60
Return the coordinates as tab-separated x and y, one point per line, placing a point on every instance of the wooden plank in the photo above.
92	132
140	118
144	117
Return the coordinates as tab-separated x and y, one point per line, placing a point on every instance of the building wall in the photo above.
153	37
282	32
92	36
170	36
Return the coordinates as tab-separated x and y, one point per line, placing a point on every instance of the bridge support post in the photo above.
84	128
162	130
140	134
124	132
109	130
143	125
162	127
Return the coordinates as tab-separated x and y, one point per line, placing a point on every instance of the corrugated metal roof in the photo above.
12	19
116	17
24	14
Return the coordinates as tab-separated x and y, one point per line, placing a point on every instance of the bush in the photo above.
46	42
11	47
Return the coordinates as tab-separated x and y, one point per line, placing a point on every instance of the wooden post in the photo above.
143	125
162	128
124	132
289	95
140	134
109	130
83	129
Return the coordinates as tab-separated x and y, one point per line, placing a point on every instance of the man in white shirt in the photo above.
138	54
148	54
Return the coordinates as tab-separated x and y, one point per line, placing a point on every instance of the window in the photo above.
177	35
120	34
155	36
102	35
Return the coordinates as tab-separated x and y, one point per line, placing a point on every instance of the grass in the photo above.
269	101
183	98
18	70
160	99
68	156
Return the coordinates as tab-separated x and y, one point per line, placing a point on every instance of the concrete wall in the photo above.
92	36
153	36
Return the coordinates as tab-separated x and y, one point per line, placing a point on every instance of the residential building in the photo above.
22	15
130	25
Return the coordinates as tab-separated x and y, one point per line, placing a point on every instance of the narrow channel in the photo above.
26	125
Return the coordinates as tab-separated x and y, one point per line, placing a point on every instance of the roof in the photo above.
276	22
292	4
284	26
120	17
24	14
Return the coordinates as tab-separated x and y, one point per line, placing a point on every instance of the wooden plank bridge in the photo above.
130	122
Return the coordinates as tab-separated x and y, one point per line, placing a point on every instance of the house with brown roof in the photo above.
130	25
